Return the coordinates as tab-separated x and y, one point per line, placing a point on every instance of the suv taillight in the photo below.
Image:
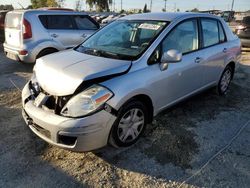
27	32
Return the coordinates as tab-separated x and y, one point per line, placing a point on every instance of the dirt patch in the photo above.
175	145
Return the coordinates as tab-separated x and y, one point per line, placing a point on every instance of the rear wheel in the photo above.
129	125
225	80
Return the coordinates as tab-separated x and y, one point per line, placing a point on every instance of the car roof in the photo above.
164	16
45	11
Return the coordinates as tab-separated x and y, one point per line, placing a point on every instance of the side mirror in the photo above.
170	56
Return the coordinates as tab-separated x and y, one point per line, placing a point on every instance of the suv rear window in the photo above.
57	21
13	21
60	22
68	22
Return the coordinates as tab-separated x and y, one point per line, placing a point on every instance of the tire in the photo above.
46	52
131	117
225	80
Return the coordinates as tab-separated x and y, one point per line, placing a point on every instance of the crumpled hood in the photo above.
61	73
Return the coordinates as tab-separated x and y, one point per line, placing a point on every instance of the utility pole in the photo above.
165	8
151	5
232	7
121	5
114	6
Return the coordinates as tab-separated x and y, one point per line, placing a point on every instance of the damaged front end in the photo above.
59	120
44	100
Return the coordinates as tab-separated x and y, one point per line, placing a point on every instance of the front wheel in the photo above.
129	125
225	80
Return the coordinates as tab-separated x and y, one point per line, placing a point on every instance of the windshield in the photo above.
123	39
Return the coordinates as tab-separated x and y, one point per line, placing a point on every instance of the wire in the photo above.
215	155
15	85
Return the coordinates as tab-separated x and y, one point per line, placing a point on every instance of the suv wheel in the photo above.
225	80
129	125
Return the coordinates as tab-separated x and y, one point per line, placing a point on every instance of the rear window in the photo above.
210	32
57	21
68	22
60	22
13	21
84	23
246	20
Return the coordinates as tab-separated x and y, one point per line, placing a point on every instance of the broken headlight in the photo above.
87	101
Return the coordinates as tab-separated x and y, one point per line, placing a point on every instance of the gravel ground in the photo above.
177	144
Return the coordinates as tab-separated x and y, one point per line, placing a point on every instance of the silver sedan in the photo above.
108	89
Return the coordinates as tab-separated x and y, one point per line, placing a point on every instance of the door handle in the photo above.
54	35
225	50
84	35
197	59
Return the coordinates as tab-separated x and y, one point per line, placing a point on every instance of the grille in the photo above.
41	130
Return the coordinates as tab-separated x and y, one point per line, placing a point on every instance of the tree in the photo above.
178	10
60	3
195	10
46	3
29	7
145	9
78	5
6	7
100	5
52	3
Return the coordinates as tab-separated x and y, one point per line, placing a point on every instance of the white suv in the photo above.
30	34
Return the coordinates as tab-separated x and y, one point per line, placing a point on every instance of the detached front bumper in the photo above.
76	134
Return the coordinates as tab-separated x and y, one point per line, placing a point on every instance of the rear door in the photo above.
62	29
215	48
13	29
86	26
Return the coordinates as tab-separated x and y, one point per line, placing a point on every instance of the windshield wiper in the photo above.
102	53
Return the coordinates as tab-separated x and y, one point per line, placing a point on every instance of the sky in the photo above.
157	5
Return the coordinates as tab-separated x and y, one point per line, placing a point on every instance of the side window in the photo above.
221	33
183	38
84	23
43	19
60	22
210	32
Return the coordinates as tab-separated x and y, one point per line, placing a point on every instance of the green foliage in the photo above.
195	10
45	3
6	7
145	9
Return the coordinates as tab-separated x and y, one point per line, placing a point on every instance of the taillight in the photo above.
27	32
23	52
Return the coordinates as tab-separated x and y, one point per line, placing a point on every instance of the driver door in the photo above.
185	77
